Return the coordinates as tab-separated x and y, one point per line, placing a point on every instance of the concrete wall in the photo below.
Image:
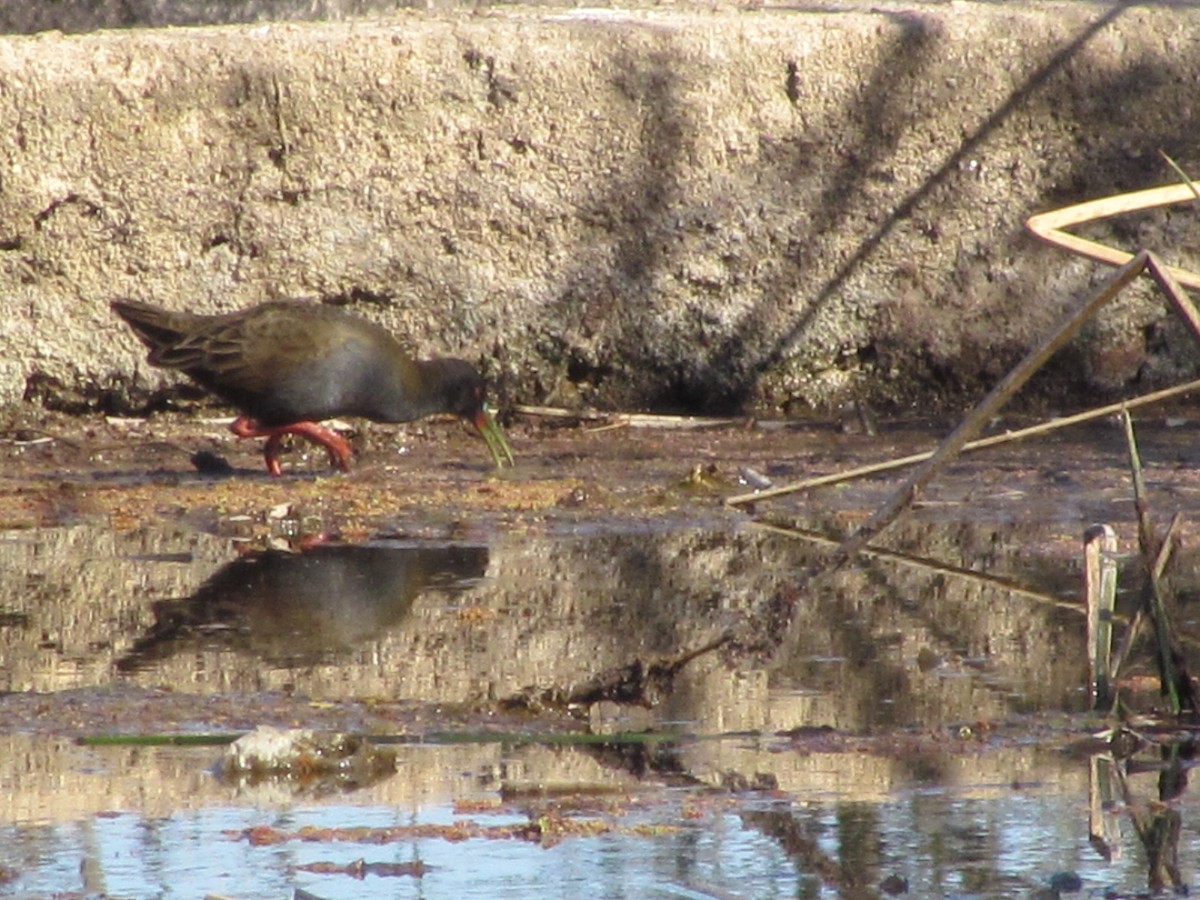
658	209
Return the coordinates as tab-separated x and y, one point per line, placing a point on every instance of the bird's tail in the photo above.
157	327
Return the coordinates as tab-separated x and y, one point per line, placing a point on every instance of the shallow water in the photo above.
89	608
152	822
910	720
779	806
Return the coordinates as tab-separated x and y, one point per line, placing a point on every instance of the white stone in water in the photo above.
267	749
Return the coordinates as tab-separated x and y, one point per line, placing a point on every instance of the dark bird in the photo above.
288	365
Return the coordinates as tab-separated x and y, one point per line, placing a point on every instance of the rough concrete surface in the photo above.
669	209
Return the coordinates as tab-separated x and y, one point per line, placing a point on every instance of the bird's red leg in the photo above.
340	453
271	454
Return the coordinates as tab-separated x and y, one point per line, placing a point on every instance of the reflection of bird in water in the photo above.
303	608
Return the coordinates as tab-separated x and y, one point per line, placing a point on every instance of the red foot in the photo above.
339	450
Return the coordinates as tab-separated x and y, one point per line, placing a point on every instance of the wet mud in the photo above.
563	644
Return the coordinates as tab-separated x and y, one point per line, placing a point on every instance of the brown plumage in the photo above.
288	365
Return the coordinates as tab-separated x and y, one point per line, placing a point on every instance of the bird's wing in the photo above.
248	355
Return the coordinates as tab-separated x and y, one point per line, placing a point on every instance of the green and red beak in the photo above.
493	436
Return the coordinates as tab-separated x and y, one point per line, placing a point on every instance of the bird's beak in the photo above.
493	435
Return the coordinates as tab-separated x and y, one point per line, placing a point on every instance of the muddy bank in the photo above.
598	550
650	209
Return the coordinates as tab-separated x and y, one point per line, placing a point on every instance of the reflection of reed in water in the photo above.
303	608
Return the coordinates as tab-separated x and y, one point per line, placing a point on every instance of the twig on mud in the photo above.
28	442
1168	544
647	420
638	683
630	420
1175	683
1180	302
922	562
611	426
558	412
1179	171
1135	623
1099	412
1146	537
43	437
1048	226
985	409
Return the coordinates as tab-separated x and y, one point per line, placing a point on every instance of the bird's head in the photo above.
463	392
